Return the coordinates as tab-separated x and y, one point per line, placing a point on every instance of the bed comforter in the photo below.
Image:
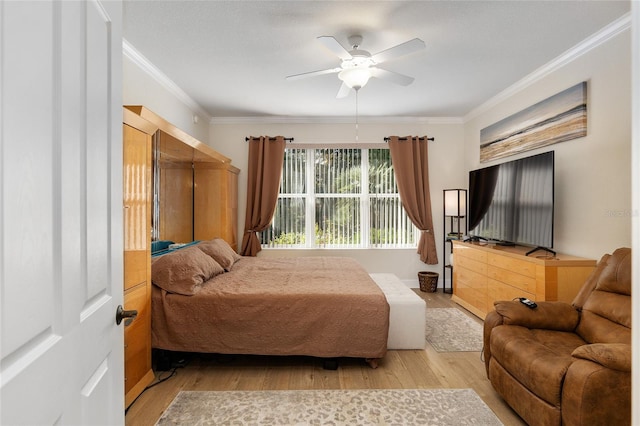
316	306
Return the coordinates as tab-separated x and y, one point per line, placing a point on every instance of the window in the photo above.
339	198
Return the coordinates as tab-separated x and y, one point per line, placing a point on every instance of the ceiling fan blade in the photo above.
343	92
405	48
394	77
313	73
333	45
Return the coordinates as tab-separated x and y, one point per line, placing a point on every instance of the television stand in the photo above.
483	274
548	250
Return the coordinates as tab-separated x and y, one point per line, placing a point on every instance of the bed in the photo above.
317	306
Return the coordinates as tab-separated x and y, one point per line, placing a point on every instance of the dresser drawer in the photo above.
514	279
499	291
469	253
477	296
470	278
521	267
470	264
471	286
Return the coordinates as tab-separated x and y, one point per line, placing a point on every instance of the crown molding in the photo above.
143	63
333	120
605	34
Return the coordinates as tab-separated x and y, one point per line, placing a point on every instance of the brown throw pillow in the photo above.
183	271
221	252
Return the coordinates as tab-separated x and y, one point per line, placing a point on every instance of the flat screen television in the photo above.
512	202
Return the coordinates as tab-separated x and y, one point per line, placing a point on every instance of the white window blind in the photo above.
339	198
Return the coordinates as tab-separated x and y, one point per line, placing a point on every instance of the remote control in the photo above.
528	303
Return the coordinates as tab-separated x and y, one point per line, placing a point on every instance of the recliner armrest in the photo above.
616	356
547	315
597	386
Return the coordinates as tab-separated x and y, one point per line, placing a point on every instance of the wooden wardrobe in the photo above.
196	198
197	187
137	166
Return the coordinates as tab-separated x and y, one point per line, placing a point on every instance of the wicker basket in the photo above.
428	281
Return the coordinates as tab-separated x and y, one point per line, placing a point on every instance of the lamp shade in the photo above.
355	78
455	202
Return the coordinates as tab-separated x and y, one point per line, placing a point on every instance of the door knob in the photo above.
122	314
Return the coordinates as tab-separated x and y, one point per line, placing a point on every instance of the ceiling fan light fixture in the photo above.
355	78
357	66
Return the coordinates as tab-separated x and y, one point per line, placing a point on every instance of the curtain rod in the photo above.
247	139
386	139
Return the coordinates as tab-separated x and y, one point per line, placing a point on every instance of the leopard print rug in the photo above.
330	407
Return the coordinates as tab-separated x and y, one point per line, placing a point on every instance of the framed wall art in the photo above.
559	118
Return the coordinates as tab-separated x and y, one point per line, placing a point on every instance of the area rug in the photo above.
450	330
330	407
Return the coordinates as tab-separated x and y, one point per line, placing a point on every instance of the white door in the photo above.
61	212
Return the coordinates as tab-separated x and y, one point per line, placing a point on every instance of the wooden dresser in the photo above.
137	134
483	274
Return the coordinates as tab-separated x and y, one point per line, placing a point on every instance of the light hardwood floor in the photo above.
406	369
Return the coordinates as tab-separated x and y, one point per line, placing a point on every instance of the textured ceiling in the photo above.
232	57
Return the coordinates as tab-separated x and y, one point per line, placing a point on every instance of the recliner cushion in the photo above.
538	359
594	328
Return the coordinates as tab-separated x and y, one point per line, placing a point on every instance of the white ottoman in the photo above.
407	313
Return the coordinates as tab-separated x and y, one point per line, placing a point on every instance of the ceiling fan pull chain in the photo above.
357	130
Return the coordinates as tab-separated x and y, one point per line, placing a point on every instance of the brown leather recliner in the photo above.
567	364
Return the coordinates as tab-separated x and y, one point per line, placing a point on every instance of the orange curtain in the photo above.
410	157
266	156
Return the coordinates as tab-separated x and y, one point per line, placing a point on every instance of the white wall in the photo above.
593	174
145	87
445	170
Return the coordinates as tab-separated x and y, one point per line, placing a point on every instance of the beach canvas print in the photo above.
558	118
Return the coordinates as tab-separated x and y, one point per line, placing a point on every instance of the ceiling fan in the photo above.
358	66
